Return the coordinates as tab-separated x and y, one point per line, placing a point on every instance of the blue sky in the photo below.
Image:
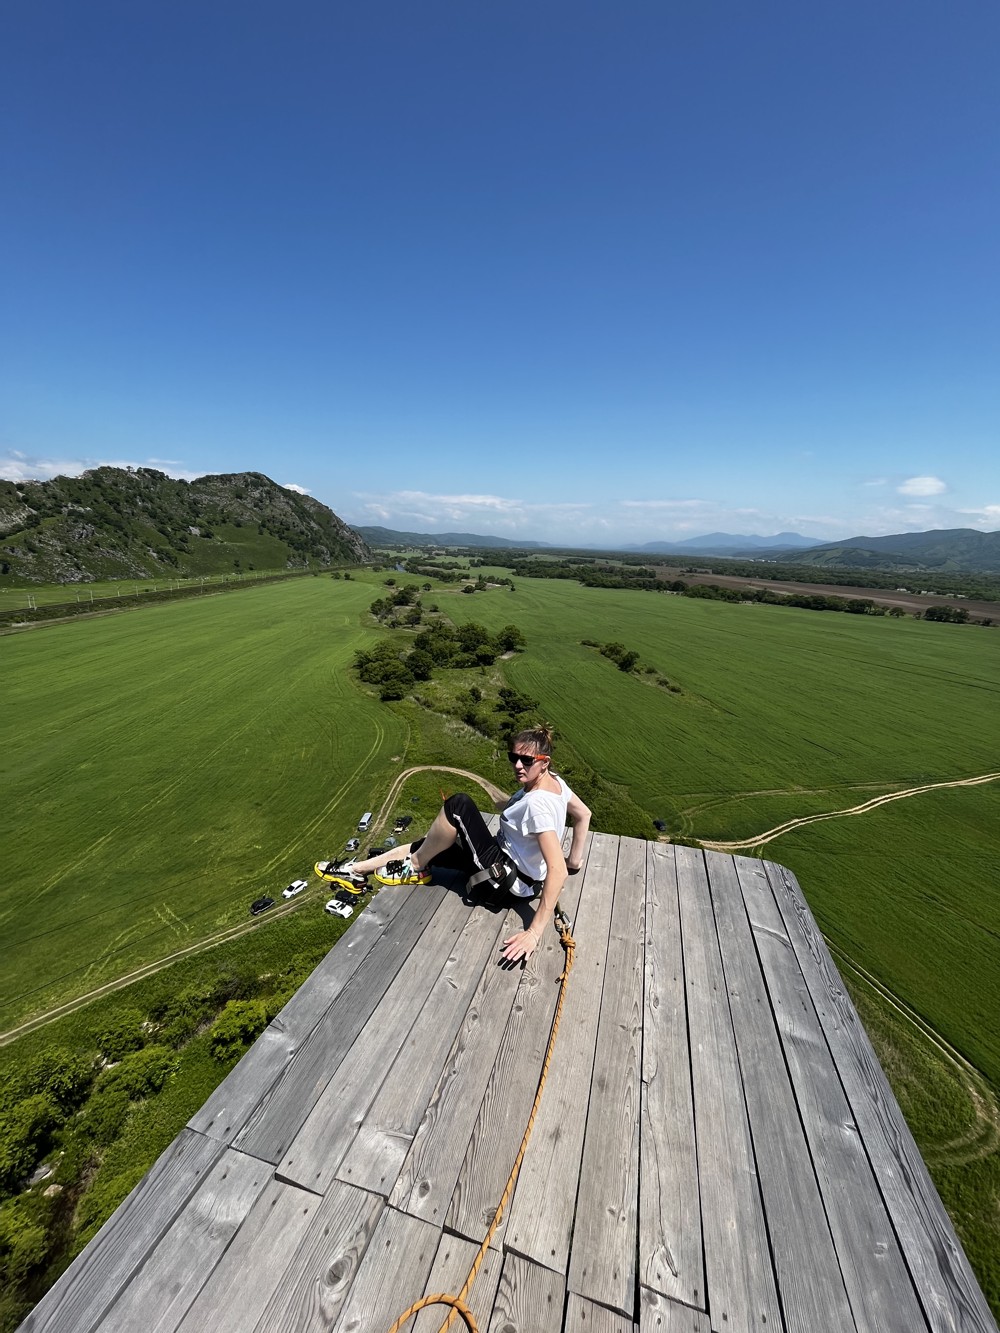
573	272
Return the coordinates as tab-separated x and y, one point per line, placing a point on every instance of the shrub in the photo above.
239	1024
25	1134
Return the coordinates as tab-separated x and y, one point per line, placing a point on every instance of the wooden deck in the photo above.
717	1147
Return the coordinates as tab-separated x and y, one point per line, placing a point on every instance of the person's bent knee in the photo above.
457	808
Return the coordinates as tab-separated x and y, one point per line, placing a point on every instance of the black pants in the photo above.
475	848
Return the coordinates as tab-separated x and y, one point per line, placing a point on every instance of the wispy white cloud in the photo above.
922	486
299	490
986	517
16	466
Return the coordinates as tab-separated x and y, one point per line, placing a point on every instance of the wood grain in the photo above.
427	1177
392	1274
671	1257
225	1112
158	1297
503	1116
603	1259
529	1299
234	1297
452	1263
380	1146
583	1316
740	1280
327	1132
659	1314
540	1221
313	1288
278	1117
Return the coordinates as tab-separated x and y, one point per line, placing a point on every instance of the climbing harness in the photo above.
457	1302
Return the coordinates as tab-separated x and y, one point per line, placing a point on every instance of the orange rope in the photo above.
457	1303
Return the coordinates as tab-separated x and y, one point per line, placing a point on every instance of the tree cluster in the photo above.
396	671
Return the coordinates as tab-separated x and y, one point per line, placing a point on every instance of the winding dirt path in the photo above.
489	788
762	839
231	932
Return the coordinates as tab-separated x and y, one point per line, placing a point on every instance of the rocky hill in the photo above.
139	523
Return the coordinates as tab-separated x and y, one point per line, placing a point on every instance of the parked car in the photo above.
375	851
296	886
364	821
339	909
261	904
402	822
353	844
345	897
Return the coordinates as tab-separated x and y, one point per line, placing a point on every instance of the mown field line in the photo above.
762	839
974	1082
232	932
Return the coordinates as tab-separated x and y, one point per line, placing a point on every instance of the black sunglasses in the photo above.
526	759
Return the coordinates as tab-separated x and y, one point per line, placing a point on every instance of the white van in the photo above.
364	821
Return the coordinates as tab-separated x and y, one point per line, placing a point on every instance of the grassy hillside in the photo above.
115	523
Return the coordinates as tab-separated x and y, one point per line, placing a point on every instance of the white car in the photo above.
339	909
296	886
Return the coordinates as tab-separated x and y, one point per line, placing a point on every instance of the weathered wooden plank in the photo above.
506	1106
946	1286
312	1290
671	1259
739	1277
452	1264
659	1314
318	1148
277	1118
427	1177
82	1295
234	1297
158	1297
383	1140
878	1285
392	1274
529	1299
541	1216
225	1112
583	1316
603	1259
802	1250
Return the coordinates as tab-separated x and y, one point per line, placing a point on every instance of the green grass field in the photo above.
164	768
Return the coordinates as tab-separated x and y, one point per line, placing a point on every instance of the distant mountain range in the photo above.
391	537
951	550
727	543
119	523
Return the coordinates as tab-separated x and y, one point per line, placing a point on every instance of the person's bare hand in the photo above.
519	946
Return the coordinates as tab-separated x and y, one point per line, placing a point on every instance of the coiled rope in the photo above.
457	1302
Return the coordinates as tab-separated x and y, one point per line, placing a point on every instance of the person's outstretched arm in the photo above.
525	942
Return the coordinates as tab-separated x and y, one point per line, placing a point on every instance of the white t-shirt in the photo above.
527	814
